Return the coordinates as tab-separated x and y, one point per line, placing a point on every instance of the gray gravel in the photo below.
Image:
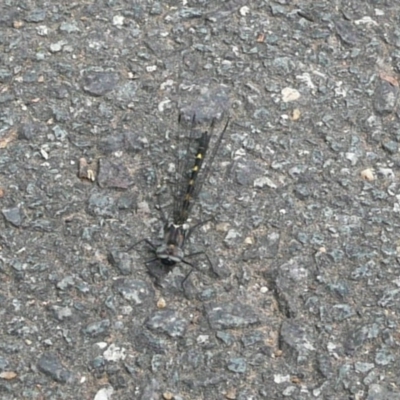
302	297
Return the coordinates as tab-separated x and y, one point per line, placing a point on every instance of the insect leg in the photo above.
141	241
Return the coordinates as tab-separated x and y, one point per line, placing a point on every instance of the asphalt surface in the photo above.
295	292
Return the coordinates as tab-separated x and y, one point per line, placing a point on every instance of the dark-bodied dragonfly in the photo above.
192	170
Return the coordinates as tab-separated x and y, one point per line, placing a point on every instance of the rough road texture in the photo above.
302	297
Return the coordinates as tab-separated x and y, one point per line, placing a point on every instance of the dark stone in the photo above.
233	315
120	260
347	34
13	215
37	15
100	83
237	364
113	175
134	290
50	365
97	328
385	98
297	340
169	322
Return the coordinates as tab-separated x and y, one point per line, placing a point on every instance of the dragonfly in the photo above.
194	166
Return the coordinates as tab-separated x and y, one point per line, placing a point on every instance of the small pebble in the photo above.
85	172
244	11
222	227
296	114
8	375
249	240
118	20
367	174
18	24
290	94
231	394
161	303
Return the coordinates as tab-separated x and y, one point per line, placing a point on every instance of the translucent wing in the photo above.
194	165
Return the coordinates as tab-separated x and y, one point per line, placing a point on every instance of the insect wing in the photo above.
194	165
209	157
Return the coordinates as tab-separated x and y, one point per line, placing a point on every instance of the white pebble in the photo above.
367	174
244	11
290	94
118	20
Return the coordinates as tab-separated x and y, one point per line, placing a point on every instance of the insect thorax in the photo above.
169	254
